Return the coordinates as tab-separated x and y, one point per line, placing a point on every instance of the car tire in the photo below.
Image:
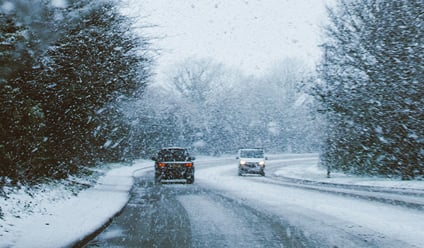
239	173
190	180
157	179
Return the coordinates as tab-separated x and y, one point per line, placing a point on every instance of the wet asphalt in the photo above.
187	215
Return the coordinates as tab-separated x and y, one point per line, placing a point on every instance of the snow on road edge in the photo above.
65	222
309	170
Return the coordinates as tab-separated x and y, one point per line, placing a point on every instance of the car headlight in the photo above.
242	162
262	163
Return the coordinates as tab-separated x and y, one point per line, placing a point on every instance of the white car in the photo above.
251	161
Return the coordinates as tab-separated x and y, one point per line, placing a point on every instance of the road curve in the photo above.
180	215
224	210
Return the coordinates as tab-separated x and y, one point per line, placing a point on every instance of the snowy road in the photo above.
222	209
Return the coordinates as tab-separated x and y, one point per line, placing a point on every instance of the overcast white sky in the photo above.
250	35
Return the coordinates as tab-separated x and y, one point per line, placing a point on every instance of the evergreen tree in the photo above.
22	124
62	103
372	87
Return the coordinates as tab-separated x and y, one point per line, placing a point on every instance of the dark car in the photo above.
174	163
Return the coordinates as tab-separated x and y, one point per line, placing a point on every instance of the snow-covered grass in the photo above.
310	171
60	214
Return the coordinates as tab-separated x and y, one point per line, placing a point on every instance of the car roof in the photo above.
173	148
250	149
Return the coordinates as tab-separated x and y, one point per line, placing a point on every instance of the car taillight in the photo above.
162	164
189	164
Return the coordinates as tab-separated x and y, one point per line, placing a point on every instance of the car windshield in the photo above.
251	153
173	155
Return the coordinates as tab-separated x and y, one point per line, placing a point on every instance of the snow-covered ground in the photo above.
57	217
309	171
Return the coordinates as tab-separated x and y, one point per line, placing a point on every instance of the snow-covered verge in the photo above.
310	171
54	216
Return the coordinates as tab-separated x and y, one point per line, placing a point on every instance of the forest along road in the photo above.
222	209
